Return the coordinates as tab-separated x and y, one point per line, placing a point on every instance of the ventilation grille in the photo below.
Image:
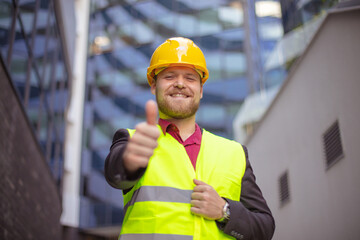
284	188
332	145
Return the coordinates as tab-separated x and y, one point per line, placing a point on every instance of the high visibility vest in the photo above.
158	206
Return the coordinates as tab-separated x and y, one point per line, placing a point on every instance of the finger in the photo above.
151	112
200	188
139	161
196	203
140	150
143	140
197	196
196	211
148	130
133	162
198	182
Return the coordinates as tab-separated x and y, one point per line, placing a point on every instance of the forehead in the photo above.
180	70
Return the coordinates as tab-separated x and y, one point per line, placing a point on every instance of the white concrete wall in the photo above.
74	118
322	88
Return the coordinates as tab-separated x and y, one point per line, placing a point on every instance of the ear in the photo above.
201	91
153	87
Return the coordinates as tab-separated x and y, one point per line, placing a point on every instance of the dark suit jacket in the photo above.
250	217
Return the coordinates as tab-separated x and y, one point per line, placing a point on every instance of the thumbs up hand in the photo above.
142	144
151	112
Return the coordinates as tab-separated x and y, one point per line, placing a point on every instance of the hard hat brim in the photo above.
151	70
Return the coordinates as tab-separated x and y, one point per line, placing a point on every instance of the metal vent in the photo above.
332	145
284	188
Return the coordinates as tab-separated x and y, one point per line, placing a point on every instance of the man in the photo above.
180	181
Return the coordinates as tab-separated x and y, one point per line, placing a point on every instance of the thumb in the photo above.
198	182
151	112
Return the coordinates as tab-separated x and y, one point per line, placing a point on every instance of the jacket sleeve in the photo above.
115	173
250	218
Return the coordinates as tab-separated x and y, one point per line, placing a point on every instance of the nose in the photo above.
180	82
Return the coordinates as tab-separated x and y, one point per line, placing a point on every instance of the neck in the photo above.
186	126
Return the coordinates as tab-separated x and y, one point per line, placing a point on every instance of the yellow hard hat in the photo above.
178	51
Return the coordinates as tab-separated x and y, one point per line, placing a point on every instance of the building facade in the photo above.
299	20
304	151
49	48
34	94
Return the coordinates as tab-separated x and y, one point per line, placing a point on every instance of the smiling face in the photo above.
178	91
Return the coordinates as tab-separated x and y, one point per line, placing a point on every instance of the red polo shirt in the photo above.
192	144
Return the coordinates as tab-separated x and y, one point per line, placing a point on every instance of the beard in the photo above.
175	110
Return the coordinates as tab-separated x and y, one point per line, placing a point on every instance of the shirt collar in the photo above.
166	126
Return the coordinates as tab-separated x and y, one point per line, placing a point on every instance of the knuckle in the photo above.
150	152
130	147
207	197
129	158
140	125
157	133
143	162
154	144
154	134
135	138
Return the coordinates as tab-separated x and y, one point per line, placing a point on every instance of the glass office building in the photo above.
32	52
265	29
300	21
122	38
284	28
34	95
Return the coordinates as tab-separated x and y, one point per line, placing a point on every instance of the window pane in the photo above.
6	13
19	60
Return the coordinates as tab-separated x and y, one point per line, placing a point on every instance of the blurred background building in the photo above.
73	72
304	150
35	73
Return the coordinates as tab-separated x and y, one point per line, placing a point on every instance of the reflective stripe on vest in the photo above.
155	237
159	194
159	203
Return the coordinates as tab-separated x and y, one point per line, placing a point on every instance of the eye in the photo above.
169	76
191	78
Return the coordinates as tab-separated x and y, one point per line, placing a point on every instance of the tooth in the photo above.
179	95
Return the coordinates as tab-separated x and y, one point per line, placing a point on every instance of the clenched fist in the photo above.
142	144
206	202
